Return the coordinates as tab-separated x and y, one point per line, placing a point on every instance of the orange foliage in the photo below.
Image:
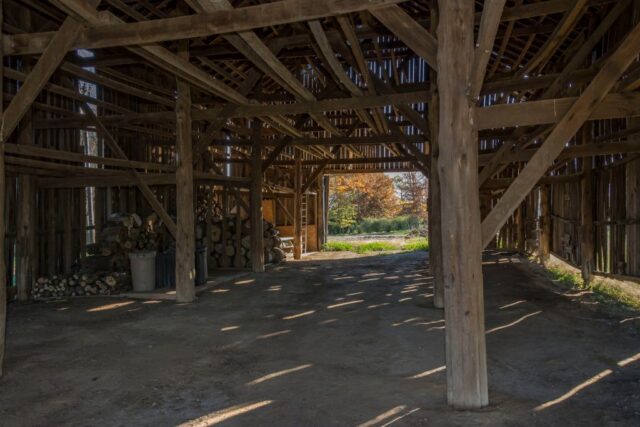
373	194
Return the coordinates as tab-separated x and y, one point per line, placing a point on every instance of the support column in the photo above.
586	220
52	232
326	208
26	253
320	206
632	200
67	232
545	225
185	233
297	208
3	269
255	205
460	209
435	206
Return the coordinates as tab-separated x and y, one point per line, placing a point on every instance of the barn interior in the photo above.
164	183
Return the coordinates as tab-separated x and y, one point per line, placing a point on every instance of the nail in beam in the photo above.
460	207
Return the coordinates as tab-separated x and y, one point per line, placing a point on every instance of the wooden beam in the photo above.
553	110
264	110
194	26
435	191
579	112
259	53
317	172
120	179
587	231
69	156
461	243
562	31
3	187
48	62
557	84
414	35
297	208
255	205
574	151
544	250
491	13
142	186
186	228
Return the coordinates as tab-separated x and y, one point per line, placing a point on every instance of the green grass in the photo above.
601	292
411	245
566	277
363	248
610	294
339	246
416	244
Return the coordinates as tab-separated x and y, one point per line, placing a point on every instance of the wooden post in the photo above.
320	206
67	234
435	214
185	233
255	205
297	208
3	268
326	208
586	220
460	208
25	236
51	249
544	240
26	219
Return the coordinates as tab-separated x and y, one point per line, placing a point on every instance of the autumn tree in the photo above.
412	187
373	195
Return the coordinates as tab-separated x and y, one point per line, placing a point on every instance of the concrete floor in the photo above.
321	342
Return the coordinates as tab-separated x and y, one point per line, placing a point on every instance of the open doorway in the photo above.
377	212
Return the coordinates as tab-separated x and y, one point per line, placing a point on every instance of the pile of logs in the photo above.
124	233
80	285
230	246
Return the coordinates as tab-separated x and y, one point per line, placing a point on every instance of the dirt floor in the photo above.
322	342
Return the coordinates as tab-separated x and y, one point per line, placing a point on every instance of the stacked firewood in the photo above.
80	285
123	234
233	248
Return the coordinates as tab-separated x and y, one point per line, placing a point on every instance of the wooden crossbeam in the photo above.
329	58
575	151
562	31
579	112
97	178
48	62
556	84
194	26
141	184
248	111
491	13
415	36
259	53
553	110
